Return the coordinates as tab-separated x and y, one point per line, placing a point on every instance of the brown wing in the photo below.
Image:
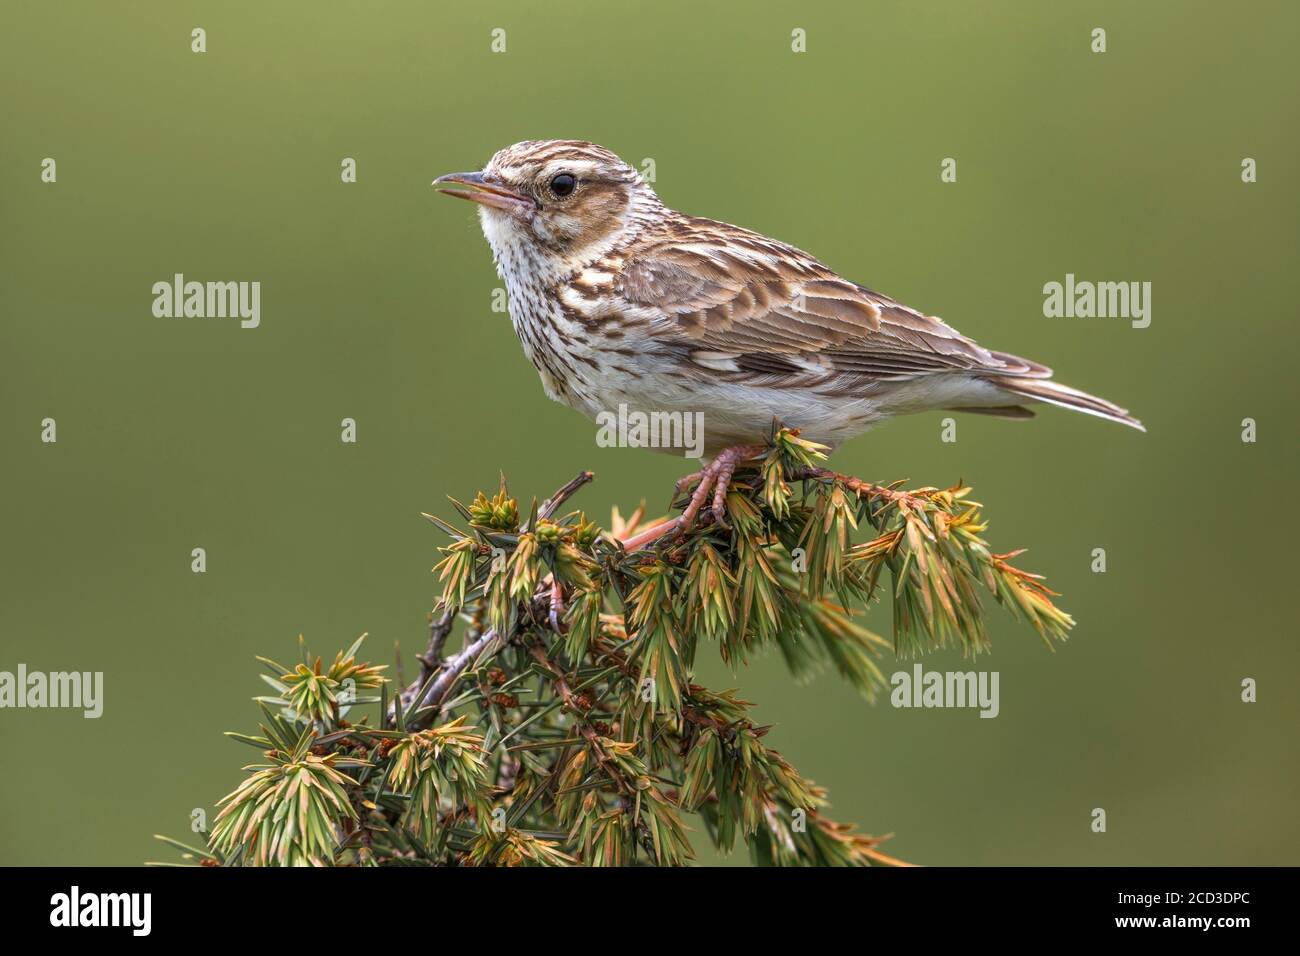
740	302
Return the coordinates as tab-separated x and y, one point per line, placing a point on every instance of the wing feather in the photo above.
726	291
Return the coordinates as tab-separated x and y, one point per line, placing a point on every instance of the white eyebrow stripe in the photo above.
576	167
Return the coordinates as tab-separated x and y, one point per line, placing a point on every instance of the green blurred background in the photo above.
175	434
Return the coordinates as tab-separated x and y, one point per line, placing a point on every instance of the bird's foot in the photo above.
716	478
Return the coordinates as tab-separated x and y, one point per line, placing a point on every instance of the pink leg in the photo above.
716	477
650	535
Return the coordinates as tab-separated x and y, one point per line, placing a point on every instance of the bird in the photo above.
619	300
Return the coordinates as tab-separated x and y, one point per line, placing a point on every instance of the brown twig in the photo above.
583	727
553	503
861	488
438	690
439	630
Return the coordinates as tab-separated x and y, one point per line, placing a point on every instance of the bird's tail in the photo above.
1045	390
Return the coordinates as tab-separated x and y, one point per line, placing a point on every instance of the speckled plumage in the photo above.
617	299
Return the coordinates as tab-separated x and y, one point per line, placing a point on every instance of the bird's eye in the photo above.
563	184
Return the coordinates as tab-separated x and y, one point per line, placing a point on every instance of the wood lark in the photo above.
618	299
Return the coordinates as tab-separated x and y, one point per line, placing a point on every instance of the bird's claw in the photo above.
715	477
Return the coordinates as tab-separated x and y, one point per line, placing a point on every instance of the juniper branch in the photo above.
538	743
440	629
435	692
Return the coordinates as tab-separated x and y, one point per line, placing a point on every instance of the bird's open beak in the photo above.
488	194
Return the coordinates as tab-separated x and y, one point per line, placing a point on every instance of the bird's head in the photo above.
564	203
